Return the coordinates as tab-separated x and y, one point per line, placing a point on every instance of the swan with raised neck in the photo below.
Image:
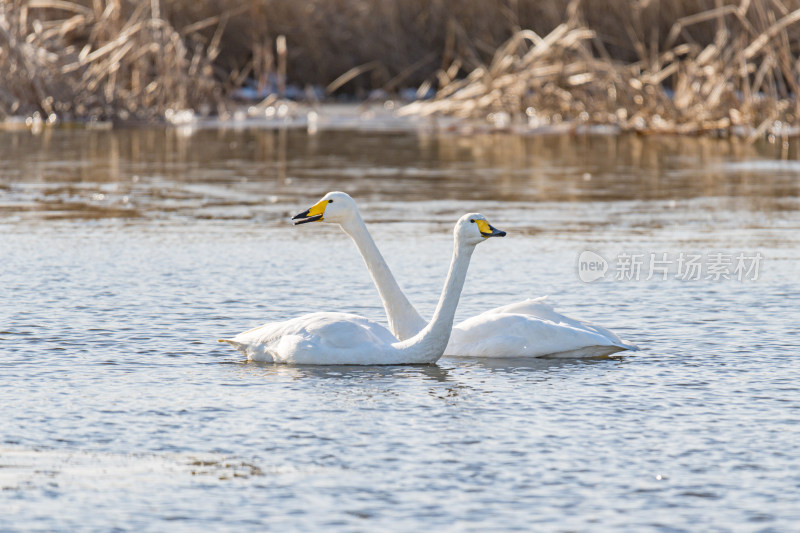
529	328
340	338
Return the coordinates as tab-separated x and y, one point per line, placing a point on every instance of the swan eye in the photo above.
330	201
472	220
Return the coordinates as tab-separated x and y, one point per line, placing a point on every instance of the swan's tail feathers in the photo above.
254	352
629	346
238	345
621	346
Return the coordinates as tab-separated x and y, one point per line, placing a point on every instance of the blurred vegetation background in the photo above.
664	65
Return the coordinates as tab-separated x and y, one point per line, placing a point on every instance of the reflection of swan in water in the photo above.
345	339
353	374
545	367
530	328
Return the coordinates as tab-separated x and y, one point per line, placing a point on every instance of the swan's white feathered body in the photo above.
323	338
530	328
346	339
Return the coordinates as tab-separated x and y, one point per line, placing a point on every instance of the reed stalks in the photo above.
68	60
680	66
743	82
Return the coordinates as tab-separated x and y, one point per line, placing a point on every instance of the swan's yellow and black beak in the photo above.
487	230
313	214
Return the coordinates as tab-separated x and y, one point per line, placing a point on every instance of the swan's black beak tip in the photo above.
303	218
494	232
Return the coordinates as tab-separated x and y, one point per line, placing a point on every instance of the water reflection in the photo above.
441	372
343	372
486	440
541	365
245	173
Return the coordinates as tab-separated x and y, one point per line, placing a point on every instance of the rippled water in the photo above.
126	254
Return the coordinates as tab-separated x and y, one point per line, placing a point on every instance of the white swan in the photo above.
530	328
345	339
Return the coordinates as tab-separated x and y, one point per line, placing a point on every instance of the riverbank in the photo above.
692	67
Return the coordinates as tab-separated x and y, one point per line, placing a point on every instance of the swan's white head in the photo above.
335	207
340	208
473	228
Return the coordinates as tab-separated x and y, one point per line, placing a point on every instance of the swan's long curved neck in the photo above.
404	320
429	344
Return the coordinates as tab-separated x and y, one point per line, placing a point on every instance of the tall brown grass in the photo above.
649	65
743	81
101	59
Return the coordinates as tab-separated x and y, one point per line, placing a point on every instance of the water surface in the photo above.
126	254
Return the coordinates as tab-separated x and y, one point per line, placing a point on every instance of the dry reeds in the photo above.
745	81
684	66
66	60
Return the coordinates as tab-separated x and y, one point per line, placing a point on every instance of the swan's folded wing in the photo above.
523	335
542	309
532	306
